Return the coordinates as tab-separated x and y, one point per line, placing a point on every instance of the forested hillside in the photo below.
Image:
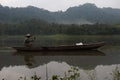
93	20
40	27
82	14
14	15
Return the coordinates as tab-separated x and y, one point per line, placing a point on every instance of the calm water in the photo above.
101	63
27	64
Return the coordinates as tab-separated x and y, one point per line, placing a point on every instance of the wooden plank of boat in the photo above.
61	47
62	53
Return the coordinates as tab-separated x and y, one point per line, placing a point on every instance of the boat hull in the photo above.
92	46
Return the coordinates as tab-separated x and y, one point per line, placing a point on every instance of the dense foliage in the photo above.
87	13
40	27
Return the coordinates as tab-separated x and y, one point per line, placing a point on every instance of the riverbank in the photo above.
61	39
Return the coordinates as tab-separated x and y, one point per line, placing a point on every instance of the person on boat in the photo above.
28	40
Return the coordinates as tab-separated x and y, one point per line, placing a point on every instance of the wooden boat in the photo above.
91	46
62	53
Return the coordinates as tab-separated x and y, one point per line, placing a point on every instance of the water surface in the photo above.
104	60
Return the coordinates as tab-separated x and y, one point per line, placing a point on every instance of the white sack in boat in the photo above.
79	43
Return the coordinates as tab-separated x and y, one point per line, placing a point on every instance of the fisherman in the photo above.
28	40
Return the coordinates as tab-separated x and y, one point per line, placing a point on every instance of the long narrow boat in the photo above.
62	53
91	46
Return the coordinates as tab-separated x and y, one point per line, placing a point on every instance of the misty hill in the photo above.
21	14
87	13
91	14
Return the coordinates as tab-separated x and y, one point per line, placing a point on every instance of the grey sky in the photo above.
55	5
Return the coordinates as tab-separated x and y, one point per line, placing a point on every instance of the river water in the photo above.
104	62
101	64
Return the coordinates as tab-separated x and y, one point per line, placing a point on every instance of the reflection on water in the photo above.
30	61
55	68
82	59
93	65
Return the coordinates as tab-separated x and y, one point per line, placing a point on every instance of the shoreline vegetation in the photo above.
62	39
59	35
40	27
